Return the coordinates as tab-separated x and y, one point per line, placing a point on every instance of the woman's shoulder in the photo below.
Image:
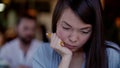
112	44
45	47
112	47
44	56
44	50
113	52
41	56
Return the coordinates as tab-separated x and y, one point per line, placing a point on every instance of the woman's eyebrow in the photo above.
85	28
66	23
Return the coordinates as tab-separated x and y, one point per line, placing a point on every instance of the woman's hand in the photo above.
63	51
57	46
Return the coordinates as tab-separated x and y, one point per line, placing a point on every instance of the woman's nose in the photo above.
73	37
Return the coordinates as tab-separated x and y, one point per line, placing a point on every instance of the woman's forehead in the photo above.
69	17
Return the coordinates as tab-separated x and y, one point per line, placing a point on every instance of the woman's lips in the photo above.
70	46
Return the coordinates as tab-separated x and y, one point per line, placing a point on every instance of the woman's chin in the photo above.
73	50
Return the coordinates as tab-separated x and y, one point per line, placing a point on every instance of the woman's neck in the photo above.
79	52
77	59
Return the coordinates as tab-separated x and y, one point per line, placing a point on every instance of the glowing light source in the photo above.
2	7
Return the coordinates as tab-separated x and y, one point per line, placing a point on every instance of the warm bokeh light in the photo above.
6	1
117	22
102	3
32	12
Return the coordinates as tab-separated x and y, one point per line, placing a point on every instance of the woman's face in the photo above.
72	30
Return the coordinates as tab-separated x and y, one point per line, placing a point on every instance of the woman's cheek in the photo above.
61	34
84	39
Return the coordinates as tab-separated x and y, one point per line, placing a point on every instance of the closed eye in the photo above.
86	32
66	28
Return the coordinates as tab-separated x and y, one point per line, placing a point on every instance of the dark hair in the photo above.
90	12
43	29
25	16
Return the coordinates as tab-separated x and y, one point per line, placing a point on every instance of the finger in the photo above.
56	40
53	40
59	43
52	37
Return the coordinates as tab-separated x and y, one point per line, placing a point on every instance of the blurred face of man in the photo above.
26	30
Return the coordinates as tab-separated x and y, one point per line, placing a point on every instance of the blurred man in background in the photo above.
19	51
